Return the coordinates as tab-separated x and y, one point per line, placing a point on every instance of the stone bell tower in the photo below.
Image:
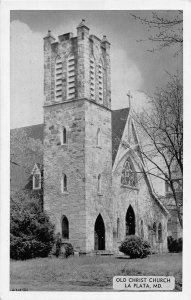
77	138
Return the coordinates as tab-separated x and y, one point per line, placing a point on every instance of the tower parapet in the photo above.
77	68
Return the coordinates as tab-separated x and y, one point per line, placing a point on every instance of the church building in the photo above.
96	187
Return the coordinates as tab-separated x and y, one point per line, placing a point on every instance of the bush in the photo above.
62	249
68	249
32	234
135	247
174	245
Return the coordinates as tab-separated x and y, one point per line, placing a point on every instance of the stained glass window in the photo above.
129	176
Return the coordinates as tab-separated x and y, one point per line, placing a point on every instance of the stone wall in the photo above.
82	161
144	205
79	159
98	160
70	159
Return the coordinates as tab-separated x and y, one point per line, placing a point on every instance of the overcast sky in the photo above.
133	67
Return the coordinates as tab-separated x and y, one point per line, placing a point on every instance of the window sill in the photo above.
65	240
100	194
130	187
99	147
65	193
37	188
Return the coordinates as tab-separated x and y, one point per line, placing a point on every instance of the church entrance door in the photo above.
130	221
99	234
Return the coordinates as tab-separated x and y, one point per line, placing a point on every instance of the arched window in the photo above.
65	228
58	79
92	78
130	221
118	227
63	136
99	184
160	233
154	228
100	80
64	183
71	89
129	176
142	230
36	178
98	138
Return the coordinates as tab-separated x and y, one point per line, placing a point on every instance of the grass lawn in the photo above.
87	273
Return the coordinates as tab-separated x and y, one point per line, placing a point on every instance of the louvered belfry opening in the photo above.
58	79
100	81
71	89
92	78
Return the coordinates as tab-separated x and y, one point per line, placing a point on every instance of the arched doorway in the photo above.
99	234
130	221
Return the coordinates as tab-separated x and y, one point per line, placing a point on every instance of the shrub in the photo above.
174	245
62	249
32	234
68	249
135	247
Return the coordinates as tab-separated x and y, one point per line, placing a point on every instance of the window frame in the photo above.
58	85
36	171
99	185
71	84
131	170
98	138
67	233
92	78
64	184
100	78
160	233
63	136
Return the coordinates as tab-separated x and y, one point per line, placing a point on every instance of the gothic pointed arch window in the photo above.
99	190
100	81
65	227
58	78
64	187
129	175
98	138
63	136
118	227
36	178
154	228
160	233
71	88
142	230
92	78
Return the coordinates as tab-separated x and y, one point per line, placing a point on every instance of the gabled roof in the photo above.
34	131
119	119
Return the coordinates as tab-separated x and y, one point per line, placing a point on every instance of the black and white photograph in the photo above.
96	151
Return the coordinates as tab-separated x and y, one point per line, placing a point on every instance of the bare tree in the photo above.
161	128
165	30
